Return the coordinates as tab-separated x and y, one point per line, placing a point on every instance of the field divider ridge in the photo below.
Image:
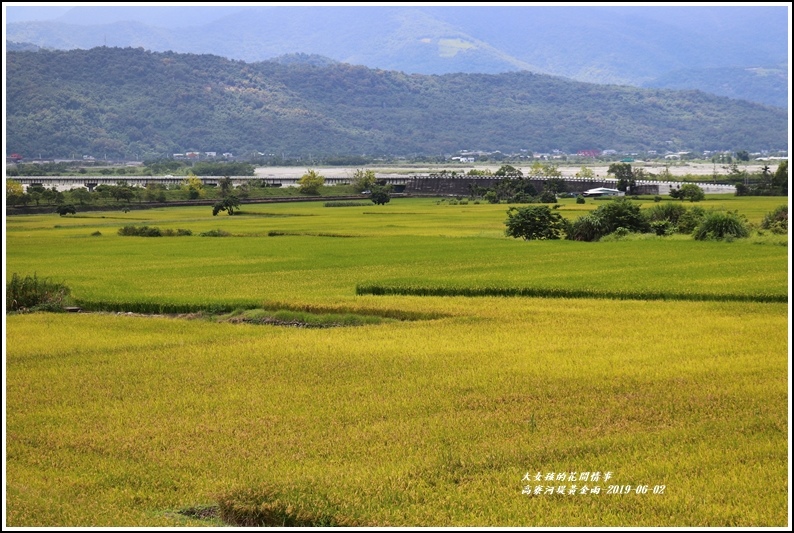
553	292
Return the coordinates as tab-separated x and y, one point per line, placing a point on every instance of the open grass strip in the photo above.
553	292
347	204
397	314
302	319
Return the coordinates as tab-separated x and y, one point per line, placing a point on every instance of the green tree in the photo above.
548	197
194	186
228	204
52	196
381	195
226	186
363	180
624	175
691	192
550	170
585	172
14	188
310	182
555	185
622	213
66	210
122	193
535	223
508	170
81	195
14	192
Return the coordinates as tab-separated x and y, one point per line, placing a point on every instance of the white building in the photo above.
603	191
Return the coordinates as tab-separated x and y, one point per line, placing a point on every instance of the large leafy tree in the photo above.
508	170
226	186
14	192
624	175
380	194
536	222
363	180
229	204
622	213
194	186
689	191
14	188
311	182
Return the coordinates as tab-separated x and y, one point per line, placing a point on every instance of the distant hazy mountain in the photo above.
623	45
124	101
768	86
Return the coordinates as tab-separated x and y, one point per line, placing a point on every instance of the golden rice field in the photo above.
487	411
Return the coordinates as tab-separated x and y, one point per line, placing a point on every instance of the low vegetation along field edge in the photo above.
546	292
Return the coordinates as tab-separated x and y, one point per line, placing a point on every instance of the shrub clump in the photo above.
587	228
718	225
33	294
690	219
146	231
535	223
619	213
345	204
142	231
662	228
215	233
777	220
66	210
668	211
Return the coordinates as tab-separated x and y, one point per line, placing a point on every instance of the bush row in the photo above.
346	204
146	231
554	292
157	308
620	217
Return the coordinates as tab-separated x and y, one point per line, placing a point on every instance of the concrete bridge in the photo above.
418	183
461	185
65	183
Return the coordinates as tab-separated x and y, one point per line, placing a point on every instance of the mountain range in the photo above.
680	47
129	102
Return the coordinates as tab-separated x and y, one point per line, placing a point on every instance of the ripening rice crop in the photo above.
125	420
438	409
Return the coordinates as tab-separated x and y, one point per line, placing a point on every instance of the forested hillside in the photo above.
119	102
